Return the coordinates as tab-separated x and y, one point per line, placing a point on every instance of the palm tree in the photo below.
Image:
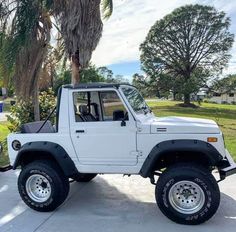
81	28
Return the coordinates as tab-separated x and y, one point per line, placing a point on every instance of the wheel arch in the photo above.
32	151
169	152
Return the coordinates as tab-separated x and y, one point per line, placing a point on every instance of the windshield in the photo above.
135	100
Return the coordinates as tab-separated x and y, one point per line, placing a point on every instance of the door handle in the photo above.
79	131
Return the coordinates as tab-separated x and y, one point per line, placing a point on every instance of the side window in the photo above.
216	94
112	107
86	106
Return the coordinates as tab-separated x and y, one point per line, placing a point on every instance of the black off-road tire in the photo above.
58	182
192	174
84	177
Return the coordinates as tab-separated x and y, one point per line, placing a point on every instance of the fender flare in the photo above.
57	152
172	146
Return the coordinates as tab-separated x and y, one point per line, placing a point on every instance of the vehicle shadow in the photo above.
125	208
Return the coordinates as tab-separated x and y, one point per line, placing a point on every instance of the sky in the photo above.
129	24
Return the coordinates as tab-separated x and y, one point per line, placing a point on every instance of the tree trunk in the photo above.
75	69
174	95
187	99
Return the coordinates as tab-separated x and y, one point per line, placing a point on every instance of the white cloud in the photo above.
130	23
231	68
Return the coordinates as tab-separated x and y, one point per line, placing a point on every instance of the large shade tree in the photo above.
25	29
190	45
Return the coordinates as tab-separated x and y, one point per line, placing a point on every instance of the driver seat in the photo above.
85	114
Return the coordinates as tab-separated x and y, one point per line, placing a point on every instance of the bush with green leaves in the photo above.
47	103
23	111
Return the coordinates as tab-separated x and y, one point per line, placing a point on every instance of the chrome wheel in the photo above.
186	197
38	188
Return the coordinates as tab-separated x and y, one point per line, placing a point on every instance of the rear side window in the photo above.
111	102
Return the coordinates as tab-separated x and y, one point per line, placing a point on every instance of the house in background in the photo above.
220	98
200	95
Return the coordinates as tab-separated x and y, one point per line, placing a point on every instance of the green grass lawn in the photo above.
224	115
3	134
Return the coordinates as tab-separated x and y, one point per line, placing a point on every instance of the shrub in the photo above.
206	101
224	103
23	111
47	102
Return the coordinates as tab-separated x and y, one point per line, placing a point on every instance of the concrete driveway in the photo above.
109	203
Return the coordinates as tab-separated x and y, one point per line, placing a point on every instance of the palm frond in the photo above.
107	8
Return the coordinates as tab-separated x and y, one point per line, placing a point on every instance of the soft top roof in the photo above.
95	85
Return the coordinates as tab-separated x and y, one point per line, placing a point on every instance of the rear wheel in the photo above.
43	186
187	194
84	177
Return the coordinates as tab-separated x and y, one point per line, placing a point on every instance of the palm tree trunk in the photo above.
75	69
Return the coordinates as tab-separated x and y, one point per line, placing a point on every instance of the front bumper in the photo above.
229	169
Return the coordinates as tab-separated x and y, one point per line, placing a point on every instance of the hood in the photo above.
184	125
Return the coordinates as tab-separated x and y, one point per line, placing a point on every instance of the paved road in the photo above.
109	203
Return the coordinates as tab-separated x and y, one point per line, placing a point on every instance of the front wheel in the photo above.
43	186
187	194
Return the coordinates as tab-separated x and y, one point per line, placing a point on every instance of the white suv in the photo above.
109	129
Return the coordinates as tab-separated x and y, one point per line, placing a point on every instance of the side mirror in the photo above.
119	115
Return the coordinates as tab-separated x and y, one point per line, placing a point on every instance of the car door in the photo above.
105	141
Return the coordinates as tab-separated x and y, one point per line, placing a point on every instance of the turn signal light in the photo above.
212	139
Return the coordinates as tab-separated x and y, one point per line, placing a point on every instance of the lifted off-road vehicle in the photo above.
109	129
